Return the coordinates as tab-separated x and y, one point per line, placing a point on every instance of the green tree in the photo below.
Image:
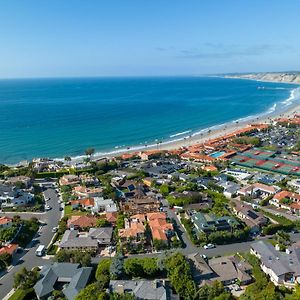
102	223
116	267
25	279
89	151
164	189
92	292
179	273
103	272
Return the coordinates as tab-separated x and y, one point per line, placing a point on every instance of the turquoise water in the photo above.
217	154
58	117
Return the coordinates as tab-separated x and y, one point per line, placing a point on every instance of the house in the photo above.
80	222
208	223
258	190
140	205
71	240
87	204
69	180
5	222
295	183
25	180
209	168
229	269
197	157
66	276
107	205
148	181
10	249
226	269
87	192
87	179
159	226
253	219
103	235
230	188
134	233
283	268
11	196
143	289
111	217
146	155
238	174
284	199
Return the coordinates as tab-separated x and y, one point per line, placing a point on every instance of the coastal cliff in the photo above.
285	77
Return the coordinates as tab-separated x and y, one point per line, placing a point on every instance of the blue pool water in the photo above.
217	154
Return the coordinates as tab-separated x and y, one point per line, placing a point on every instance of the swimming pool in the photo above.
217	154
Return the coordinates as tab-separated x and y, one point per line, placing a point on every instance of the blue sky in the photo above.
40	38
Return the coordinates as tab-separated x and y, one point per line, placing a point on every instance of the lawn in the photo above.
69	212
20	294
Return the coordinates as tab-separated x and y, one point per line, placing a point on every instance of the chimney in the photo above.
155	283
120	289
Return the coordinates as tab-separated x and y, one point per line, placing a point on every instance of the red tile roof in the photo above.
82	221
10	249
5	220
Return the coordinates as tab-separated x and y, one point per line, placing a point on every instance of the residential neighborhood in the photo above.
224	214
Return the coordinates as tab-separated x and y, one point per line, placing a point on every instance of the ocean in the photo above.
58	117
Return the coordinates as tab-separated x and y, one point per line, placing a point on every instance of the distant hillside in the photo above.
288	77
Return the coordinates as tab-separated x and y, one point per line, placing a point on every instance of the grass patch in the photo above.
69	212
279	219
20	294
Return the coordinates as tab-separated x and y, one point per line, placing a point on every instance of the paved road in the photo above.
28	258
189	246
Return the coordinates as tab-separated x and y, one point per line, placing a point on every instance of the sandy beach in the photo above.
208	133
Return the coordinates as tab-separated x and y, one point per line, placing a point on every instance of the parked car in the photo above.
209	246
54	229
47	207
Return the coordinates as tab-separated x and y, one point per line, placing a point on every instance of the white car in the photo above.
47	207
54	229
209	246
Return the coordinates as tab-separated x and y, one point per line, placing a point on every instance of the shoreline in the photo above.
212	132
288	107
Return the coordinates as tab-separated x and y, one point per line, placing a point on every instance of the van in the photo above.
40	251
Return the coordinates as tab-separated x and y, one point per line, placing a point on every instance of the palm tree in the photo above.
67	158
89	151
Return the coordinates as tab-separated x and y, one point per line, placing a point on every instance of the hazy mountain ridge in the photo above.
287	77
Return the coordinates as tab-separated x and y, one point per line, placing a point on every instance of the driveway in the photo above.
281	212
28	258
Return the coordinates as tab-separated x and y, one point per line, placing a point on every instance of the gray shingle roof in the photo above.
62	272
142	289
101	233
279	262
